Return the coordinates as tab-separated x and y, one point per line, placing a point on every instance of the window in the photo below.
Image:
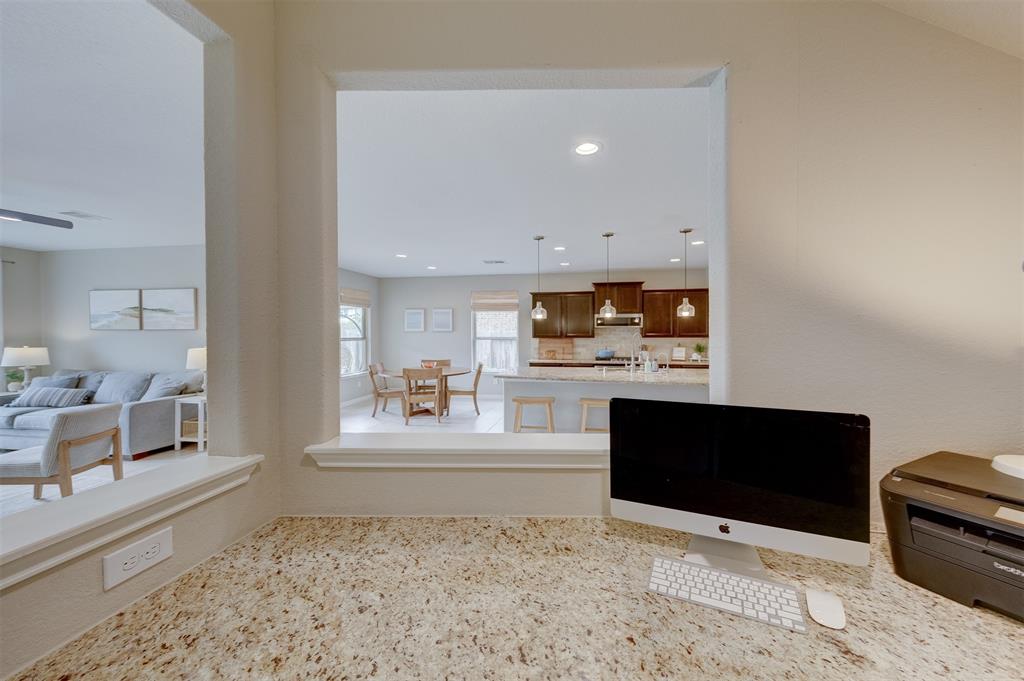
355	351
496	339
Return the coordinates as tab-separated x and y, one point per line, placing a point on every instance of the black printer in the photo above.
956	527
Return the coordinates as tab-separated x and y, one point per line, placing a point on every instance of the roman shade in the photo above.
354	297
494	301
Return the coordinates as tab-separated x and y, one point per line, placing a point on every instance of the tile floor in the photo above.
355	418
15	498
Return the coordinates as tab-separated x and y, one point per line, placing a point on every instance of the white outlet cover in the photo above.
125	563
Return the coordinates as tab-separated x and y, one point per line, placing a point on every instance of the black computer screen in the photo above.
799	470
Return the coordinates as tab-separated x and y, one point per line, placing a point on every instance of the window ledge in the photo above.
38	539
413	451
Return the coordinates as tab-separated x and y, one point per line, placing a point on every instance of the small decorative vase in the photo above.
14	387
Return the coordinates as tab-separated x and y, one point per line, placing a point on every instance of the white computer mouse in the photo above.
826	609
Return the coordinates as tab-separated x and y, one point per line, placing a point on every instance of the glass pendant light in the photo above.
685	309
608	310
538	313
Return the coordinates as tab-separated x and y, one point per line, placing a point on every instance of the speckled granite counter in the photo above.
607	375
510	598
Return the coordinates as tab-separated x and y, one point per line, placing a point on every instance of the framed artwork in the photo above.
169	308
441	319
114	310
415	318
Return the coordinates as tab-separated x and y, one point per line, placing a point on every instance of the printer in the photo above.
956	527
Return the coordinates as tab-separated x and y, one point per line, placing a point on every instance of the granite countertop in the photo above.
513	598
681	363
617	375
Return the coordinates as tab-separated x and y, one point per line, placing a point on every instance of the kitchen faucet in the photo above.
634	343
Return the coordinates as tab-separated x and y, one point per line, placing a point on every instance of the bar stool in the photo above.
585	404
548	402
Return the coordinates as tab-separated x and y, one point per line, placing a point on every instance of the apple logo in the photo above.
724	528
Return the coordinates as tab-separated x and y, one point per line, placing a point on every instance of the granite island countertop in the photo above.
607	375
514	598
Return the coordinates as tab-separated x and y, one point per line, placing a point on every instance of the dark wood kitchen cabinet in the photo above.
578	315
552	326
626	296
570	315
697	325
659	314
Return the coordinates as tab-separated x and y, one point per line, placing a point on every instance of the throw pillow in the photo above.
54	382
163	386
51	397
91	380
122	386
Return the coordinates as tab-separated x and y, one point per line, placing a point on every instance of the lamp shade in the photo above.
196	359
25	357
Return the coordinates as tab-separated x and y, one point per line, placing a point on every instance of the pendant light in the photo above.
538	313
608	310
685	309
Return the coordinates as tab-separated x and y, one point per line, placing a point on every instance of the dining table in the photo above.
446	373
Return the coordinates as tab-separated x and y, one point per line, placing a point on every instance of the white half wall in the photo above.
68	276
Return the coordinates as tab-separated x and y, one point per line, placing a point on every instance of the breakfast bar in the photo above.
569	384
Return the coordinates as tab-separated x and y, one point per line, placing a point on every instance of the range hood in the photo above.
630	320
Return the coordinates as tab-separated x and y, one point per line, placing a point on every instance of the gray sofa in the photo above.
147	416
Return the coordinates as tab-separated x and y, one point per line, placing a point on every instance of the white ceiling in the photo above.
998	24
100	112
456	177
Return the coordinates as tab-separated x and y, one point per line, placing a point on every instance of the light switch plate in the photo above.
131	560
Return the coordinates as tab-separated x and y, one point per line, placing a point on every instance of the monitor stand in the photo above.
725	555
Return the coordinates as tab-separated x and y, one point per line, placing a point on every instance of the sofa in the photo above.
147	407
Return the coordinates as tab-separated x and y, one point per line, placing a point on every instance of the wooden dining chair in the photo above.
381	390
418	392
453	392
431	363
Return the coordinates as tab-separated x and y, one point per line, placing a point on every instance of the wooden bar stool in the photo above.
548	402
585	404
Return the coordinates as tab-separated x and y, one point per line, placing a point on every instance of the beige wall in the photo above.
874	171
43	612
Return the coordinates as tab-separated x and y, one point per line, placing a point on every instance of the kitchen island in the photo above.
568	384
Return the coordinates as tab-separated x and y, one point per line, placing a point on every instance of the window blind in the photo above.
494	301
354	297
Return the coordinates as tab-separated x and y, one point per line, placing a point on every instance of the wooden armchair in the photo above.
381	390
418	392
453	392
79	440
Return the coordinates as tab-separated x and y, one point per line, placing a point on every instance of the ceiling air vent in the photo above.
494	262
82	216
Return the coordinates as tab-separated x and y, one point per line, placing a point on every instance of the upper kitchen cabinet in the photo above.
552	326
626	296
570	315
659	313
578	315
697	325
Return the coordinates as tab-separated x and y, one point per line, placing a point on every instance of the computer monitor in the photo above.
737	477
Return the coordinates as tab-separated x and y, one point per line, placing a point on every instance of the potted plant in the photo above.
698	351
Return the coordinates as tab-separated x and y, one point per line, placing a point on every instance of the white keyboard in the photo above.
767	602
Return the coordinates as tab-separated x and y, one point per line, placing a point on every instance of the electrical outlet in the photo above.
125	563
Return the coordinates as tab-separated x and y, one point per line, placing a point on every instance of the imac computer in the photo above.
738	477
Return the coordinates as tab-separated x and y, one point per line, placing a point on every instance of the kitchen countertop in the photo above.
591	375
513	598
676	364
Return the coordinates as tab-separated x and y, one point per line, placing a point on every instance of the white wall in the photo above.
68	276
401	349
20	317
353	387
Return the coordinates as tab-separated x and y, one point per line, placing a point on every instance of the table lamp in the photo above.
25	358
196	359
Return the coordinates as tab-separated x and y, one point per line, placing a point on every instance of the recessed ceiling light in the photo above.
588	148
564	264
696	243
559	248
431	267
401	255
673	259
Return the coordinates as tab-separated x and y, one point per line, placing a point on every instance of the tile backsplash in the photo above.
584	349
